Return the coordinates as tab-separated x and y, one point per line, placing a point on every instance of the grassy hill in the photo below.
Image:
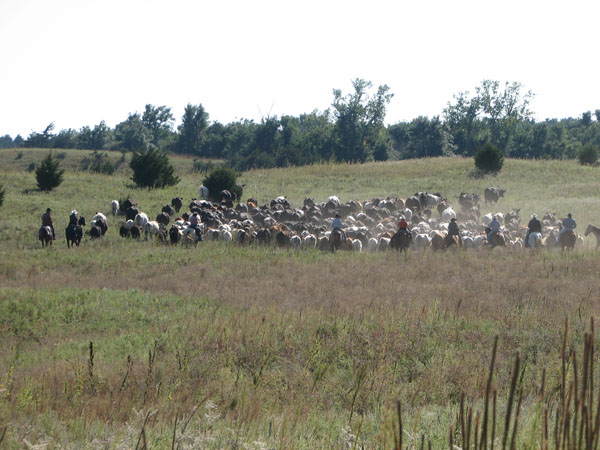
261	348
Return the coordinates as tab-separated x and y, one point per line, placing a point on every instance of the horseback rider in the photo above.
534	226
338	225
47	221
403	225
494	228
195	224
567	224
73	219
453	229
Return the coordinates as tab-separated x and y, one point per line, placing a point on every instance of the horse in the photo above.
45	235
336	240
595	231
73	233
497	239
452	240
534	241
568	239
401	240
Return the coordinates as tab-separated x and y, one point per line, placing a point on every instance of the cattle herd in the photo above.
370	225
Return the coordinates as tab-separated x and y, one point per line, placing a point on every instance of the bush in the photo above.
31	167
48	174
220	179
588	155
2	193
489	159
152	168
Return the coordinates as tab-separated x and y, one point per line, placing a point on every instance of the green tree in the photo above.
221	179
152	169
158	120
6	141
41	140
358	120
48	174
588	155
492	114
489	159
194	123
132	135
428	138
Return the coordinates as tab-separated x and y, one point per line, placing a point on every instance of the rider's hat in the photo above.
453	219
533	216
48	210
337	214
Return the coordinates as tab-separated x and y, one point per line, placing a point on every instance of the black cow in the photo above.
492	194
176	203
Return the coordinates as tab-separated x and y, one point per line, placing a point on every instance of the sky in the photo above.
78	62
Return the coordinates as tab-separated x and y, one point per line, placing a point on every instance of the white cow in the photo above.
448	214
141	219
357	245
310	241
421	241
151	228
203	191
114	207
99	216
296	242
372	244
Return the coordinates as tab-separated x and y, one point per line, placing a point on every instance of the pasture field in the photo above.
258	348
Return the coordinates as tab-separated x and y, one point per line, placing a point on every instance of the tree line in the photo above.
352	130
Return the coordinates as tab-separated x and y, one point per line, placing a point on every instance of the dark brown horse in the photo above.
567	240
45	235
401	240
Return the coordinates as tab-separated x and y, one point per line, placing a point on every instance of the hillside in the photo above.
534	186
265	348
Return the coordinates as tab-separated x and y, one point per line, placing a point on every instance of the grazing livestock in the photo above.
448	214
169	210
151	228
493	194
45	235
141	219
357	245
131	212
163	218
309	241
177	203
421	241
135	232
175	234
468	201
99	216
296	242
203	191
114	207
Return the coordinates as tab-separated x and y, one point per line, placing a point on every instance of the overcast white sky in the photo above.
77	62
